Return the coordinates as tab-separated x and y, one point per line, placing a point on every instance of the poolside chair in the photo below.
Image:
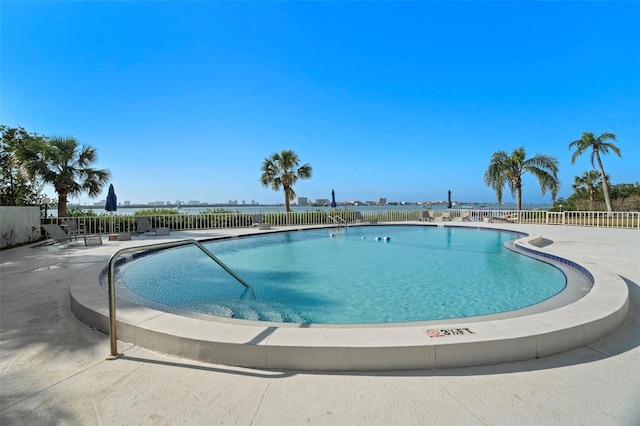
257	220
446	216
465	217
510	217
143	226
71	227
427	216
55	232
360	219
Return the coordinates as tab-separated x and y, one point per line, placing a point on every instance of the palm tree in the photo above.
588	181
596	145
508	169
281	170
65	165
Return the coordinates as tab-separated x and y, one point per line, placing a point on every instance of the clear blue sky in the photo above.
184	100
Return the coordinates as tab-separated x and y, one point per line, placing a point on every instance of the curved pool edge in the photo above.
452	343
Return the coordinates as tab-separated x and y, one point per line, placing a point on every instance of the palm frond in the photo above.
508	170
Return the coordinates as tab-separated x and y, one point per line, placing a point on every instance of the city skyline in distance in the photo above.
302	202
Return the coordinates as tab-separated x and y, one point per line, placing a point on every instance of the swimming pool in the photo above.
594	303
346	276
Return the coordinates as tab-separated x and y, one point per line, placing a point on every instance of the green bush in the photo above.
155	212
78	212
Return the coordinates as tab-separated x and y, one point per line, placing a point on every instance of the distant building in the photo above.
233	202
100	203
126	203
322	202
381	201
302	201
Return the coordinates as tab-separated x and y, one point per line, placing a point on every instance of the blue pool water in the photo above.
347	276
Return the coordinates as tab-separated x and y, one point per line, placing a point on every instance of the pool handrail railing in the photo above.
112	288
338	220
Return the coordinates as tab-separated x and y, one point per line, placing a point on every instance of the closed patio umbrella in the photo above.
112	205
449	202
333	199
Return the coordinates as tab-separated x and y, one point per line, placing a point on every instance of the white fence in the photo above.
598	219
179	222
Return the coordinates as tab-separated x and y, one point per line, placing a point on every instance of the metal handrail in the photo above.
112	288
337	220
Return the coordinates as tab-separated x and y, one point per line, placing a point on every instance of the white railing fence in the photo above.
181	222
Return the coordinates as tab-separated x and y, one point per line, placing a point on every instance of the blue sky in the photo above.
184	100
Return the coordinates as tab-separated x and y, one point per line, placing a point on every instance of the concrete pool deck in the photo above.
53	367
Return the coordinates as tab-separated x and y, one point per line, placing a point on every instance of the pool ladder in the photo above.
338	221
112	288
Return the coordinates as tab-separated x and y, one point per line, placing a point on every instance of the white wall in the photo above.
19	225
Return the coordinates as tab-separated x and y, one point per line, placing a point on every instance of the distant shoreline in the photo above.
275	208
437	204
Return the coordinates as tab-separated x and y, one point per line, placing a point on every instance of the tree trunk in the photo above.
287	206
605	185
62	205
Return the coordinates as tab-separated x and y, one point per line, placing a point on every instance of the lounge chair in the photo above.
360	219
55	232
465	217
257	220
427	216
446	216
143	226
510	217
71	228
